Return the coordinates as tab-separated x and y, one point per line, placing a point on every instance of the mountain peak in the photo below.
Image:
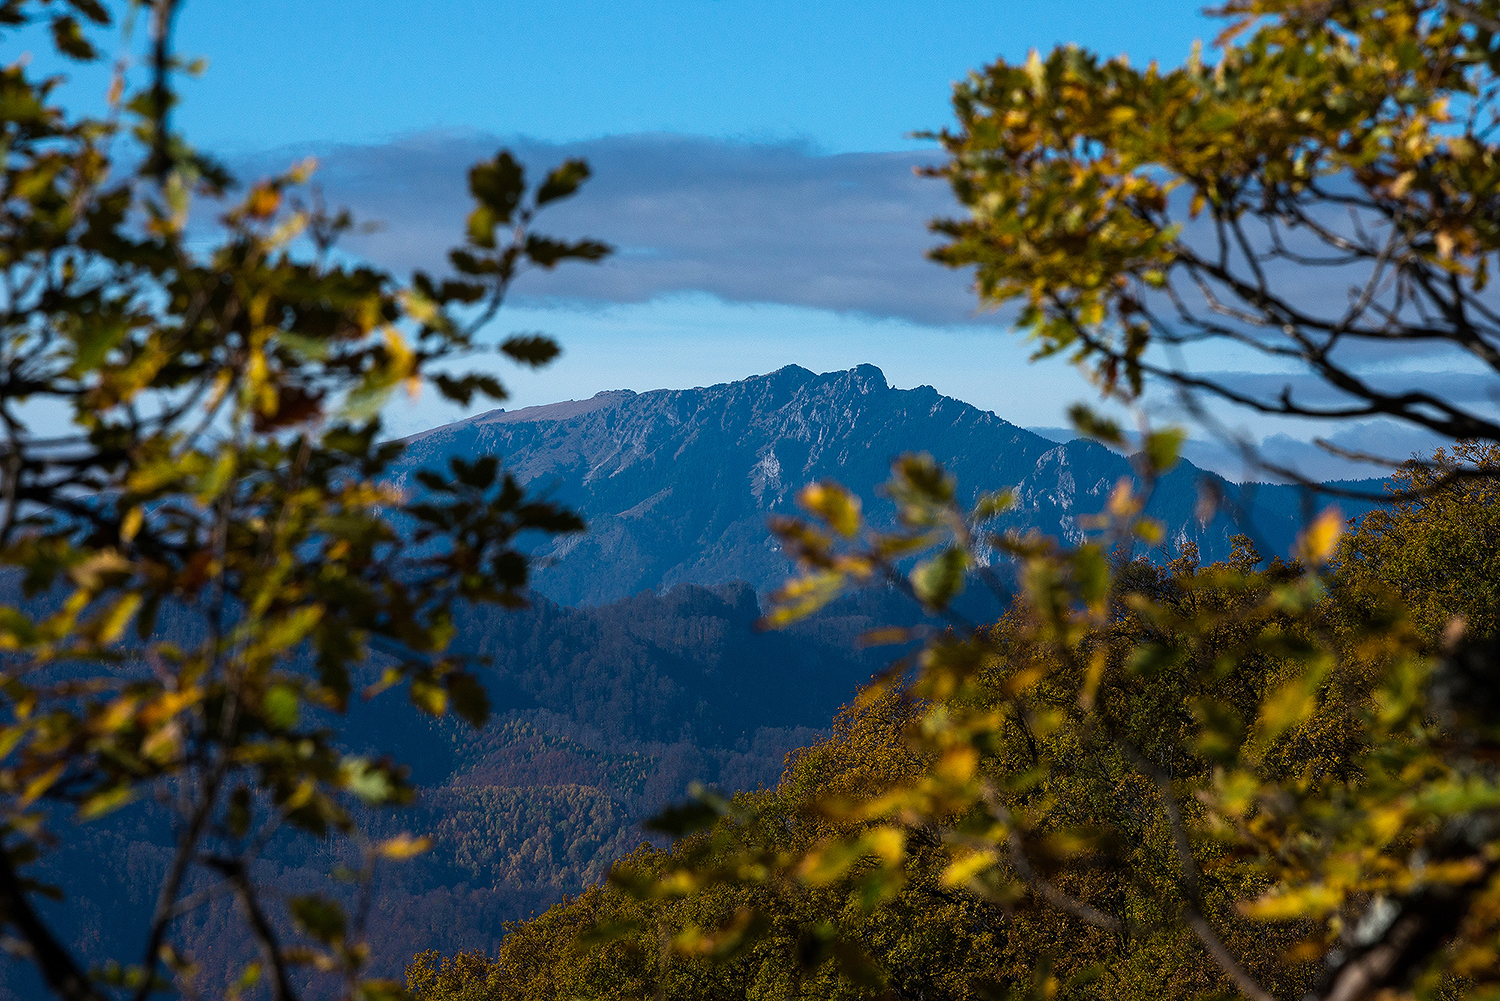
676	485
868	378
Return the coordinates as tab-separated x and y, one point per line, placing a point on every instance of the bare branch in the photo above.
62	974
1016	850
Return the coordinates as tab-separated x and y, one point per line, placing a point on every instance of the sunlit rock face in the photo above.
677	485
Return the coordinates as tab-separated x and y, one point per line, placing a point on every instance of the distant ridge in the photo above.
547	412
677	484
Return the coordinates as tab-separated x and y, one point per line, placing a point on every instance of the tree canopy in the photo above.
1143	218
201	562
1271	779
1000	838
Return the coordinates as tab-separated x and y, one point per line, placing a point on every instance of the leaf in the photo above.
1091	571
462	390
280	707
383	990
969	865
68	38
939	580
320	918
370	781
113	622
39	785
563	181
1162	449
546	252
1318	542
834	504
92	10
106	800
469	698
497	185
534	350
994	503
1092	425
1293	703
428	695
703	811
481	228
403	847
290	629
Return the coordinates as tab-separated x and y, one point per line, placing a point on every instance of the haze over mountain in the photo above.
676	485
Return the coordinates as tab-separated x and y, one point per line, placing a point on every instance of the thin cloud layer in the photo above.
758	223
745	222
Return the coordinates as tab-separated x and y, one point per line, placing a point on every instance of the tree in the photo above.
1436	550
1140	215
1318	756
192	499
849	909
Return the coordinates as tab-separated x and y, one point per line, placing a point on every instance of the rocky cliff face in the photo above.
676	485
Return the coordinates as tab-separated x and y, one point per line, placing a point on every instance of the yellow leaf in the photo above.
835	505
105	801
113	622
957	764
1321	537
888	843
966	868
130	525
1284	905
403	846
39	785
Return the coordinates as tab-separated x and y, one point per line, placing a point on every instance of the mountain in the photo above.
602	715
639	668
676	485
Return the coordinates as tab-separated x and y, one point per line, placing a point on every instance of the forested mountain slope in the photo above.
676	485
656	676
602	715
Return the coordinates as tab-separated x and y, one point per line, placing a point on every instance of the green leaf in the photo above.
702	811
563	181
280	707
320	918
92	10
481	226
939	580
835	505
428	695
383	990
1091	571
546	252
1162	448
68	38
921	475
469	698
497	185
113	622
106	800
535	350
371	781
462	390
1092	425
289	630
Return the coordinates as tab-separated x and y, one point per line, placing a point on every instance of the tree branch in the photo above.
62	974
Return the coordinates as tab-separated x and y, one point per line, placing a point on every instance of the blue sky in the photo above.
753	164
845	76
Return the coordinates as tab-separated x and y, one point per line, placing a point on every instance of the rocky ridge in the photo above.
676	485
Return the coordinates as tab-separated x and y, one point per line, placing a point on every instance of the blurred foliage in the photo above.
1148	780
1151	779
1346	146
189	427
